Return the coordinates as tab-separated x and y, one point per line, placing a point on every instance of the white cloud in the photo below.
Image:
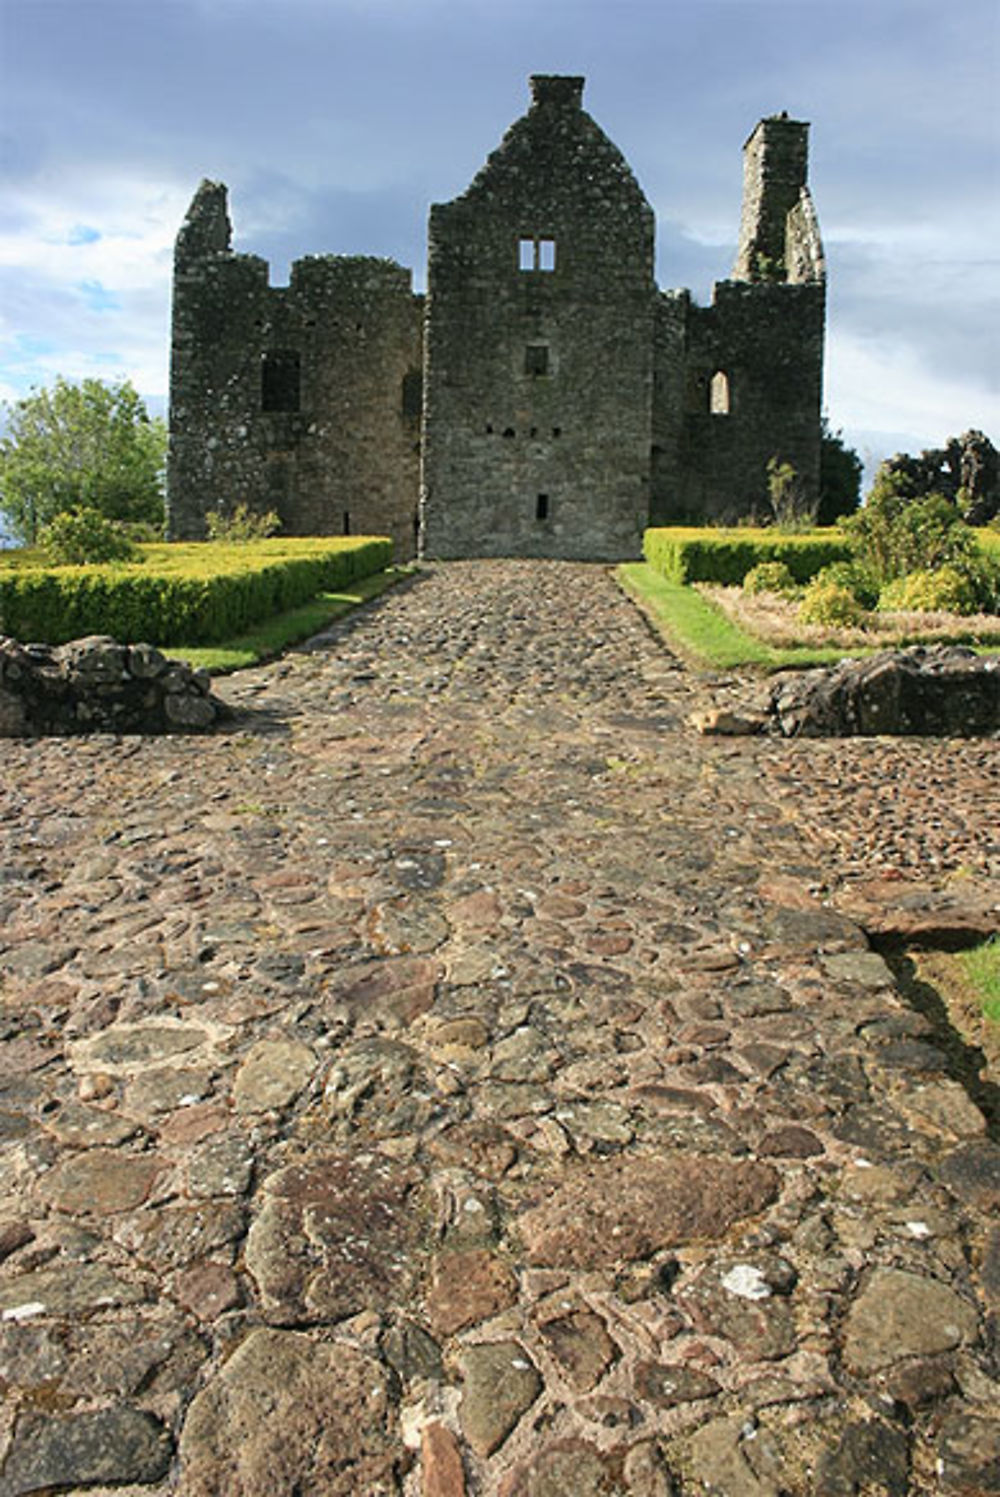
85	272
876	386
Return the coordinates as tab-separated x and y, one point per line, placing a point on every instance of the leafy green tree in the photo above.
840	470
88	445
898	531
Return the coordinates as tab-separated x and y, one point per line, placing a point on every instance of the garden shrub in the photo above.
770	577
241	525
894	534
946	590
688	554
787	493
831	604
81	536
856	577
185	594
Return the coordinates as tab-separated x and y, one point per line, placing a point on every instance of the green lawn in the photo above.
981	966
700	632
284	629
703	635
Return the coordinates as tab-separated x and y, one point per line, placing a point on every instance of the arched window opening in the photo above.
718	400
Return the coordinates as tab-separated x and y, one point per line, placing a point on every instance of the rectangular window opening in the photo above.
542	507
412	394
536	359
347	522
280	381
536	253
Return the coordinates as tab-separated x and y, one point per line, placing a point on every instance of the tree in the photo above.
88	445
787	494
840	471
899	530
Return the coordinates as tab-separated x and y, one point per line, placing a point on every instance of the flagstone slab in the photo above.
291	1413
629	1208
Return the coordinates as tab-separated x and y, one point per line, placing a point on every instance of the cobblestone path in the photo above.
450	1080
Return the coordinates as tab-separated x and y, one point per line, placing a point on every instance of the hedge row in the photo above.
190	594
689	554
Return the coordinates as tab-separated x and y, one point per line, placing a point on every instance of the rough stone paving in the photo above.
455	1078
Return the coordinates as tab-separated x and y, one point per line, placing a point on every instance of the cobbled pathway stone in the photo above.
455	1078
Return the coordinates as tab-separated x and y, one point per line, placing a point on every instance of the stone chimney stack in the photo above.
775	166
557	89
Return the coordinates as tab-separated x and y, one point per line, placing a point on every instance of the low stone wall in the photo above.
97	685
937	691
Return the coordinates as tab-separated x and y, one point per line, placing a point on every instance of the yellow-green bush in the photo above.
700	554
945	590
831	604
181	594
770	577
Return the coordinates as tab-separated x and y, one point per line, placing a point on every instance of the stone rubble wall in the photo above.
537	422
96	685
938	691
332	446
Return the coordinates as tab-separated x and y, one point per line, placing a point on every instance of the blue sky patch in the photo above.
98	297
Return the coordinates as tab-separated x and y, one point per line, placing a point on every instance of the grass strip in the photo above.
284	629
981	966
707	638
700	633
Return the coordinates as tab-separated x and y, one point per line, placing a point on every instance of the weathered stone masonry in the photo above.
548	400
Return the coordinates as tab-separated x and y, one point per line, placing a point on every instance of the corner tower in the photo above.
538	374
748	385
303	399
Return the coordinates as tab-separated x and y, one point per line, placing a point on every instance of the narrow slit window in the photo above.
280	381
542	507
347	522
412	394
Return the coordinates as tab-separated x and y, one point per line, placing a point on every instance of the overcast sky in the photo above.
336	122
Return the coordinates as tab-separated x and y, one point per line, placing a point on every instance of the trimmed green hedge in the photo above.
698	554
181	594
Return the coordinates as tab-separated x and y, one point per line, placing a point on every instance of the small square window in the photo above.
536	359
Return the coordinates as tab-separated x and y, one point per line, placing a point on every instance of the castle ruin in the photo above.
543	399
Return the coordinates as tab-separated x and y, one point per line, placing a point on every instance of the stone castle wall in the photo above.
547	401
302	399
539	377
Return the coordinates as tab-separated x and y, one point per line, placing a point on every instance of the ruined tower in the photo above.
740	382
302	399
547	401
539	346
